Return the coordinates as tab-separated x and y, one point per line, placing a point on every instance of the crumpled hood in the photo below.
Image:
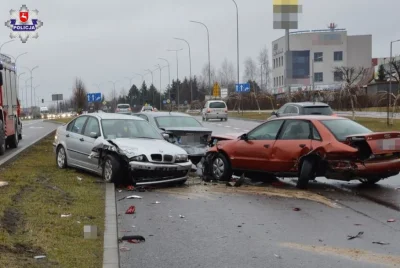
132	147
188	129
227	136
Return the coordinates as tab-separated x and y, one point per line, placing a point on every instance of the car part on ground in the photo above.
307	147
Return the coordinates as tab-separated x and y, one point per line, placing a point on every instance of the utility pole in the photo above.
177	71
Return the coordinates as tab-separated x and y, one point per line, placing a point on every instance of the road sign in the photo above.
57	97
164	102
216	90
94	97
104	102
168	101
242	88
185	102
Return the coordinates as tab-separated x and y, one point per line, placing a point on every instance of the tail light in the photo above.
117	110
334	115
226	110
208	110
129	109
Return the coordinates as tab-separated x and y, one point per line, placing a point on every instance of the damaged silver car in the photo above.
118	147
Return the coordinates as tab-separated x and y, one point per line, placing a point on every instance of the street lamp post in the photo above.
130	82
237	37
190	68
209	59
169	77
141	75
1	46
159	67
152	82
177	70
19	76
114	91
31	71
34	92
26	92
390	80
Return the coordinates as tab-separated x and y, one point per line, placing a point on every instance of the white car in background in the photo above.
214	109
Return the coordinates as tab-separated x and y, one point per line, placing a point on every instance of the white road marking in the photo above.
236	128
246	130
219	125
227	126
35	127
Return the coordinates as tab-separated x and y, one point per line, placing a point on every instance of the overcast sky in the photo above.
109	40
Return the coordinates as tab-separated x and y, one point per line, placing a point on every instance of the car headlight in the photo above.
139	158
181	157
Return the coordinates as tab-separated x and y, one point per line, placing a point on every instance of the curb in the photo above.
247	119
13	155
111	252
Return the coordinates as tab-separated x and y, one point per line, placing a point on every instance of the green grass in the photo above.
31	207
249	115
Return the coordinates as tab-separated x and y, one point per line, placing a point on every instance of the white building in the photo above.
315	53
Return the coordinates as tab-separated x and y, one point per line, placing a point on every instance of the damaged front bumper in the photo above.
146	173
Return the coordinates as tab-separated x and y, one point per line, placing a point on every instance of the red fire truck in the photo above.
10	123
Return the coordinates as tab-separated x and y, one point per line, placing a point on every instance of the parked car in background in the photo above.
308	147
302	108
214	109
147	108
123	108
117	147
182	130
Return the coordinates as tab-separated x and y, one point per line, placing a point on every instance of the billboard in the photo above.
57	97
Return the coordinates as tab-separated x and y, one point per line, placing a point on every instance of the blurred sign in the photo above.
94	97
164	102
168	101
216	90
173	102
57	97
185	102
224	93
243	87
104	102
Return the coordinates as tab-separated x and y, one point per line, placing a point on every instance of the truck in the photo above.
10	110
44	112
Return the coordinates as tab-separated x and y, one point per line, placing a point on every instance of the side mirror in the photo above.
94	135
244	137
165	136
274	113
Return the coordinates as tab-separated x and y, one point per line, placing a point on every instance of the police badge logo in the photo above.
24	24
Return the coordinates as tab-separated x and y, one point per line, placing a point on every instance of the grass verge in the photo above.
375	124
62	120
31	207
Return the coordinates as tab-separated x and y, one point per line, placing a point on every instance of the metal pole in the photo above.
6	43
237	34
152	83
160	85
177	71
312	74
261	71
287	49
169	77
209	58
390	84
190	69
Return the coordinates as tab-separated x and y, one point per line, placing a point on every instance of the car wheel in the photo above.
226	119
369	181
20	136
306	173
14	139
202	118
111	169
221	168
61	157
2	139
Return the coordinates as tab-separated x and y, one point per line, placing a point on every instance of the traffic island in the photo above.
43	211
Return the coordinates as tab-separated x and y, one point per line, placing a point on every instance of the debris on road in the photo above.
39	257
65	215
277	256
130	188
391	220
133	239
124	249
130	197
79	178
296	209
357	224
157	202
239	226
350	237
131	210
3	183
181	216
381	243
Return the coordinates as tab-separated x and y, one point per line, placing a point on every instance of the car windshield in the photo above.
123	106
344	127
128	128
323	110
218	104
176	121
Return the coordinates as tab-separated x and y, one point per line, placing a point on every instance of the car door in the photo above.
88	142
293	142
255	152
73	139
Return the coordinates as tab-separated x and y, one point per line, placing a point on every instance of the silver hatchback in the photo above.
215	109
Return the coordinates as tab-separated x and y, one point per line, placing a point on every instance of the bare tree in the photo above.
265	70
79	95
123	93
204	78
351	76
250	69
394	74
113	99
226	73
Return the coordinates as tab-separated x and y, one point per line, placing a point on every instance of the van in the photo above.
215	109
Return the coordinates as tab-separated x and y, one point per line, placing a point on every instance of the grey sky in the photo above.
109	40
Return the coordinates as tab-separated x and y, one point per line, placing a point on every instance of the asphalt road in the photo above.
32	130
384	192
247	227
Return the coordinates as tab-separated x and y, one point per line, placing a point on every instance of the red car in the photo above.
307	147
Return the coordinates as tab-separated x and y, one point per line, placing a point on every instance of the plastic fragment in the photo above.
134	197
350	237
181	216
3	183
391	220
277	256
381	243
296	209
39	257
65	215
133	239
124	249
79	178
131	210
130	188
157	202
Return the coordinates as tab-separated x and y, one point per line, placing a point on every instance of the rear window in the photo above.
123	106
344	127
218	104
322	110
148	108
176	121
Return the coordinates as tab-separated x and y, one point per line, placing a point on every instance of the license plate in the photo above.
390	145
166	168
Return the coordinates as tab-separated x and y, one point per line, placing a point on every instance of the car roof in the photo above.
123	104
115	116
308	104
311	117
216	101
158	114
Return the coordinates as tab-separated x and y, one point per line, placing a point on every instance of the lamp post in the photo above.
169	77
209	60
141	75
237	37
152	82
31	71
159	67
26	91
177	70
390	80
130	82
22	95
114	91
1	46
190	68
34	92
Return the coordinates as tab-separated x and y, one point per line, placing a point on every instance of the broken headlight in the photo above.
139	158
181	157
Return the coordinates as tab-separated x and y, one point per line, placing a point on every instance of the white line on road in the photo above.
219	125
227	126
236	128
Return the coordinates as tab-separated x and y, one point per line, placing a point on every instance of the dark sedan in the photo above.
182	130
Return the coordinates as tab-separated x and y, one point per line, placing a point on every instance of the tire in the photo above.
222	119
370	181
306	173
61	157
2	139
111	169
202	118
221	168
180	183
14	139
226	119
